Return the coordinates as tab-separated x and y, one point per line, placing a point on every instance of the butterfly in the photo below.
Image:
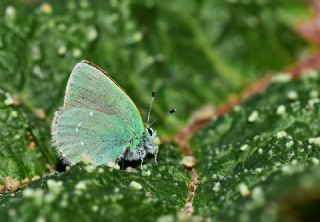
99	122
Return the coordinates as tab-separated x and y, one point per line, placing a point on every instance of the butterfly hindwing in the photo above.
98	119
83	131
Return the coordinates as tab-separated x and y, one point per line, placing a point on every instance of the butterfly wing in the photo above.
90	87
98	119
81	133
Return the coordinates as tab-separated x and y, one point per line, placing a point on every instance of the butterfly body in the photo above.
98	121
147	146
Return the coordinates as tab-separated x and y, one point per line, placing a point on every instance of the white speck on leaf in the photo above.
253	116
92	34
287	169
292	95
310	74
14	114
244	190
10	12
281	134
282	78
33	193
12	212
95	208
244	147
237	108
313	102
314	94
76	53
315	141
258	195
40	219
37	71
135	185
188	161
81	185
146	173
90	168
137	37
281	110
290	155
46	8
315	160
289	144
9	100
166	218
62	50
216	186
55	186
113	165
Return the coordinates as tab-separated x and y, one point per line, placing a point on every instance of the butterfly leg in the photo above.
123	157
144	153
141	164
155	158
122	163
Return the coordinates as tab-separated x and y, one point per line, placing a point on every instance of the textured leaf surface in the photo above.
102	193
22	156
249	169
258	163
255	158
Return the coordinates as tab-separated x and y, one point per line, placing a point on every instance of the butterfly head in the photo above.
152	141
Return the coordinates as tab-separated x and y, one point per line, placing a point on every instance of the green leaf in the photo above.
257	161
102	193
22	156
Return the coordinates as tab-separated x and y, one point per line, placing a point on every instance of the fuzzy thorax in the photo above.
149	144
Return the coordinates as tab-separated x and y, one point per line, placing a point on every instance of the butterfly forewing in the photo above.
89	87
98	119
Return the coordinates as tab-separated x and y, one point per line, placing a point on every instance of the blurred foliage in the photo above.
206	49
102	193
250	161
19	148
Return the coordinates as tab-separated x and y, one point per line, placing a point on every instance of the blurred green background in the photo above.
191	52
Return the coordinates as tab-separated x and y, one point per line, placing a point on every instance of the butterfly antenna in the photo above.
153	96
163	116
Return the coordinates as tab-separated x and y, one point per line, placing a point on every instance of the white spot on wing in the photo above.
91	113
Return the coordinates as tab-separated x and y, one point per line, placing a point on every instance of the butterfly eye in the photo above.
150	131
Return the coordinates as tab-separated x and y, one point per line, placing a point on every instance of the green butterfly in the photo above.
99	122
